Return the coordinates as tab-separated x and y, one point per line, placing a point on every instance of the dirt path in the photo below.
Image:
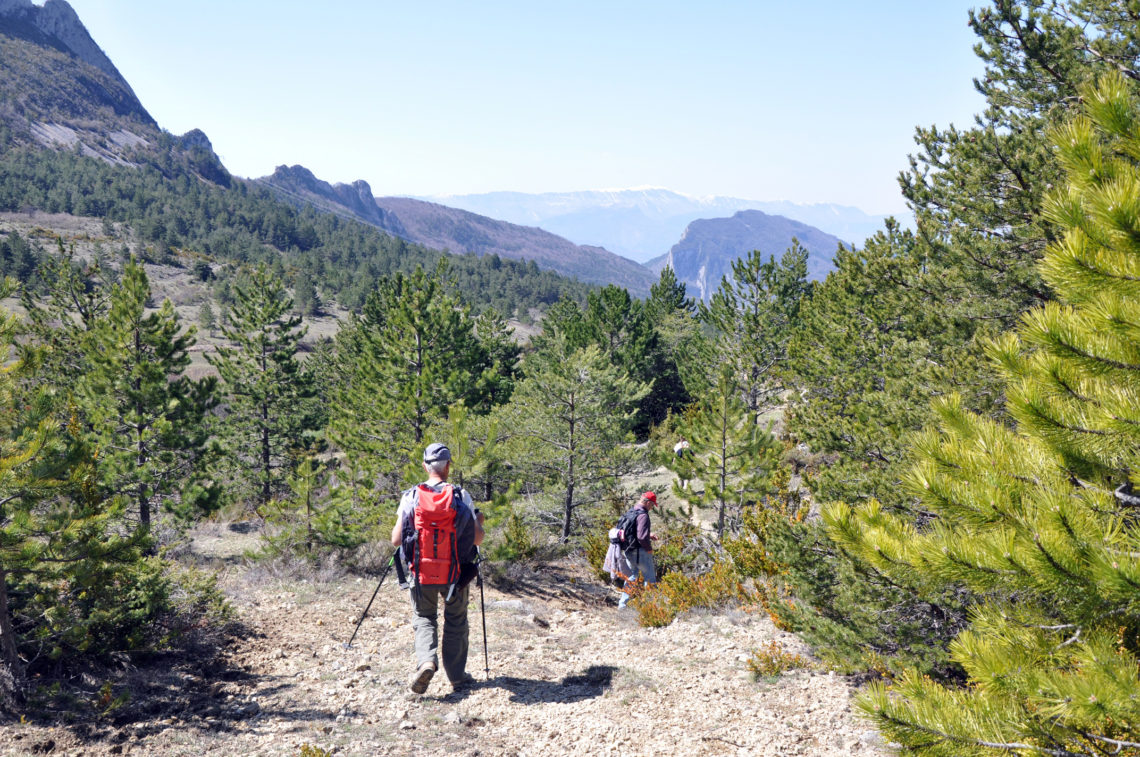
569	674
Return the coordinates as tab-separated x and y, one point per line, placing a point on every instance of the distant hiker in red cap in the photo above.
639	553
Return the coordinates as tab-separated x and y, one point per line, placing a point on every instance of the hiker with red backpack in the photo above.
437	530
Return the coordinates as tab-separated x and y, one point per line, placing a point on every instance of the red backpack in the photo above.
435	558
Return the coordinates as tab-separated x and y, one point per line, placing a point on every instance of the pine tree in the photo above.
147	420
683	373
315	517
668	296
900	322
268	391
871	349
730	453
74	298
306	301
502	352
20	482
410	355
206	316
66	563
620	326
977	192
1040	520
753	314
569	418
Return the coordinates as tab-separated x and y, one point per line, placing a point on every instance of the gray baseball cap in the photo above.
436	452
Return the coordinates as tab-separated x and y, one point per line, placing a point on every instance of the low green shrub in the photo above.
658	604
772	660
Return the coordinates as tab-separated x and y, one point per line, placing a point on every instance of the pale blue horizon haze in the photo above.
758	100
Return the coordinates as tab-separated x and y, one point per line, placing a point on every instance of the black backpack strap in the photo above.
401	574
453	572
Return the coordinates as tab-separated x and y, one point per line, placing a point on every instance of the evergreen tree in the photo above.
501	369
20	483
872	348
147	420
74	299
1039	520
269	393
730	454
71	577
566	321
668	296
206	317
18	258
306	301
570	416
411	354
977	193
753	314
902	326
315	517
683	373
621	327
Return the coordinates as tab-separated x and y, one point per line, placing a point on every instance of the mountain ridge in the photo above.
709	246
644	223
56	25
458	231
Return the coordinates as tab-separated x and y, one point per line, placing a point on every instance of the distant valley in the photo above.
643	224
459	231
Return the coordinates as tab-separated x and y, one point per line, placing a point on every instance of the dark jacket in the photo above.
643	540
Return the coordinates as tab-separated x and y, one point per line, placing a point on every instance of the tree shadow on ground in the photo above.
573	688
197	688
548	581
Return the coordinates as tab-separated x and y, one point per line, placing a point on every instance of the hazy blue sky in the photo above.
813	101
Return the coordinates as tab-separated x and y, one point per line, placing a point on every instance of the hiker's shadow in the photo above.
586	685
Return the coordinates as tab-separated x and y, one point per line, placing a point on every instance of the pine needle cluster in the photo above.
1039	520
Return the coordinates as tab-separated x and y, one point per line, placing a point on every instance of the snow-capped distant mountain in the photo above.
645	223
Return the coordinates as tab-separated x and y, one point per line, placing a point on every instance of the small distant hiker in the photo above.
438	529
681	452
630	555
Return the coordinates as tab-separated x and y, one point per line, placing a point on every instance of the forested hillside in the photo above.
178	199
923	466
458	231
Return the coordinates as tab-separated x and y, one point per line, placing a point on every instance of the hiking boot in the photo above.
466	682
422	678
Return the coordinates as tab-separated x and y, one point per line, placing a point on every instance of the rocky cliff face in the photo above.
59	89
297	184
709	247
58	20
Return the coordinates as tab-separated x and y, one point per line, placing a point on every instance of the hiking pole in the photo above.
363	615
483	615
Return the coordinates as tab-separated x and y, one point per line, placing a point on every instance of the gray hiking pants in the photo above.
643	568
424	621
